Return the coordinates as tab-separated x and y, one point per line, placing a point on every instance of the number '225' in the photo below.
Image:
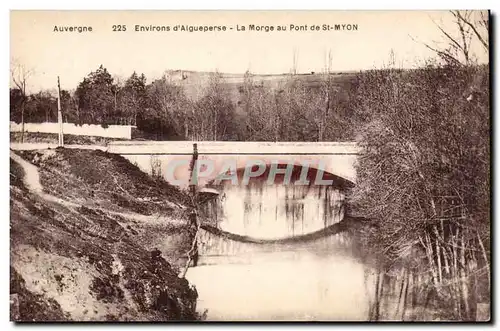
119	28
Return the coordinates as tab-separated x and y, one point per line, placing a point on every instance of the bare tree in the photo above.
20	75
479	24
470	26
326	89
295	61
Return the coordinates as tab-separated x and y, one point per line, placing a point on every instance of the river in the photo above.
312	281
283	286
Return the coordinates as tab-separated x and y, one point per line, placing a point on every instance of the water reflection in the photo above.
280	286
277	210
313	281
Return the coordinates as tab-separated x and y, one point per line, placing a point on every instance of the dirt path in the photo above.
31	176
31	180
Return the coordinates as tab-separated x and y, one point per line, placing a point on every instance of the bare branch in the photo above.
461	42
20	75
454	42
484	21
442	54
476	32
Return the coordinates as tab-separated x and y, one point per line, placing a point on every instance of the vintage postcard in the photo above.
250	166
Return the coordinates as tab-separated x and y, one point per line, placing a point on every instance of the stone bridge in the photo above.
252	219
153	157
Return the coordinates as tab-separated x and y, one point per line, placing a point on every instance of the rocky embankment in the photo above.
94	239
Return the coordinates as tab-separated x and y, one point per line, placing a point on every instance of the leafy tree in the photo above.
166	110
16	99
133	96
96	96
41	107
69	107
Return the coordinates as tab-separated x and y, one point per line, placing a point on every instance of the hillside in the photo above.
195	82
93	238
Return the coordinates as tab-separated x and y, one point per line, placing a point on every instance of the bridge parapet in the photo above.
233	147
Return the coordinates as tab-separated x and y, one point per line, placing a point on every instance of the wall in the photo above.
112	131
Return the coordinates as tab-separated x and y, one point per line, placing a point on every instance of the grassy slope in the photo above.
104	180
82	263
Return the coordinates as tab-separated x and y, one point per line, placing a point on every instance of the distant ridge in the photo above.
195	82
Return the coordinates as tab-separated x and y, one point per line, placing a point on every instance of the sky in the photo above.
73	55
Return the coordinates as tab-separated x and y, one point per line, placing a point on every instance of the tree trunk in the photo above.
464	279
22	122
485	257
438	255
402	294
430	257
455	273
374	307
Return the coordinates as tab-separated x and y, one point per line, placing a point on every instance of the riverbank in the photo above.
90	241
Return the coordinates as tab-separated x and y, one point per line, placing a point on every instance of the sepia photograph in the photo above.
271	166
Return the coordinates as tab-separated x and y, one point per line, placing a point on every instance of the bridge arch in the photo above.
275	206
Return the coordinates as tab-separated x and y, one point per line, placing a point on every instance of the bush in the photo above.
423	178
